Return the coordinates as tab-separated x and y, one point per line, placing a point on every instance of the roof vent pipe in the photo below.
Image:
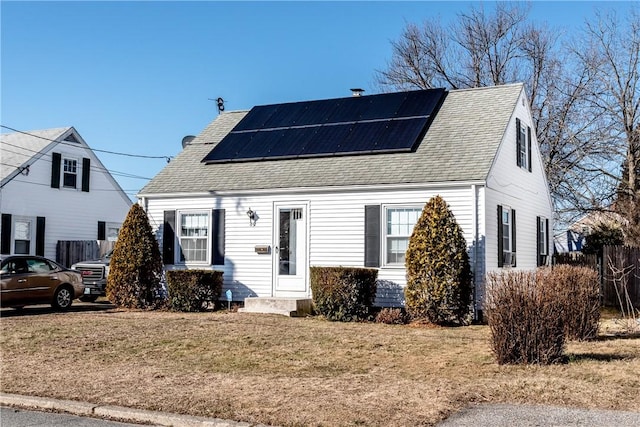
357	91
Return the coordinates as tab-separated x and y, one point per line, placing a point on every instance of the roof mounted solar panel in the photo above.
385	123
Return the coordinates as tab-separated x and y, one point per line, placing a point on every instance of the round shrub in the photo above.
193	290
343	293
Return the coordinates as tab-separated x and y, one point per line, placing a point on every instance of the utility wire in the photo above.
93	189
142	156
47	159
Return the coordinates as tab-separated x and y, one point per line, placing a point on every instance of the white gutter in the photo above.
306	190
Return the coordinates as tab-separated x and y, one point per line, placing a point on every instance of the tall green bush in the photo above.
438	272
135	270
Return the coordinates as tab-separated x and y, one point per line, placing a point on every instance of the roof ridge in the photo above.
467	89
61	130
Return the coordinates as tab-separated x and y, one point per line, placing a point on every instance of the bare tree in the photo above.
611	54
477	50
482	49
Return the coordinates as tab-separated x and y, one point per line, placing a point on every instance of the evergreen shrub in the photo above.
135	269
343	293
193	290
438	272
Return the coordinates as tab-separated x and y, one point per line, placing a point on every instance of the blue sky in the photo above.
136	77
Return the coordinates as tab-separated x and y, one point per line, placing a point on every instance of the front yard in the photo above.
296	372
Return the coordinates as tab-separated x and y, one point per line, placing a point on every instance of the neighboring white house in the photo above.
575	237
54	188
341	182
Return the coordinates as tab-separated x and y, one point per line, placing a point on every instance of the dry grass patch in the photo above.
295	372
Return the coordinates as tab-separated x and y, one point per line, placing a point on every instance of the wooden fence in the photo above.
69	252
619	271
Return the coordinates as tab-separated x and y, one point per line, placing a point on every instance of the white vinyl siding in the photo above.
523	191
336	232
70	215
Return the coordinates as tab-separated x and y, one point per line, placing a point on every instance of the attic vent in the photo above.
357	91
71	138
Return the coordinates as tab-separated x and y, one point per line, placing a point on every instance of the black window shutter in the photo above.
529	147
40	223
518	143
56	160
217	237
500	247
5	239
513	237
546	237
538	248
168	237
372	236
102	230
86	169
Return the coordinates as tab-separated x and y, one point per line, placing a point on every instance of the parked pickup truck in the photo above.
94	276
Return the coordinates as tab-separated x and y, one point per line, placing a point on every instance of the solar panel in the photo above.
392	122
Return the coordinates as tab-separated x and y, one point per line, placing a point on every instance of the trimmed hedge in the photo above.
193	290
578	290
525	318
343	293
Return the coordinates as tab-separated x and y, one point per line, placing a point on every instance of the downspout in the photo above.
476	248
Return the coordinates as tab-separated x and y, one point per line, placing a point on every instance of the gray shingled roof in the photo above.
17	149
460	145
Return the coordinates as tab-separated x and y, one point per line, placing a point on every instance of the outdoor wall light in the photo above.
253	217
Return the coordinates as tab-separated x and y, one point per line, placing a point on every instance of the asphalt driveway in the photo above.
529	416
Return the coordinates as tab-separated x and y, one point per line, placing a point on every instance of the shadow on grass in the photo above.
77	307
598	357
619	336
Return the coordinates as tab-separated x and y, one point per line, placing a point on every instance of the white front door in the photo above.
290	250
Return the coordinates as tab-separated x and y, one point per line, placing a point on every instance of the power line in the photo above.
46	158
142	156
93	189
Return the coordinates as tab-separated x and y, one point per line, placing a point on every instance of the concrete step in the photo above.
293	307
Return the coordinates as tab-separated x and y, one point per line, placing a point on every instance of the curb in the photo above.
118	413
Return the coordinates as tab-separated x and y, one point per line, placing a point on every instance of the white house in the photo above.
54	188
264	194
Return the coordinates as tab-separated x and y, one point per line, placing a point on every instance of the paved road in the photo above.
13	417
537	416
